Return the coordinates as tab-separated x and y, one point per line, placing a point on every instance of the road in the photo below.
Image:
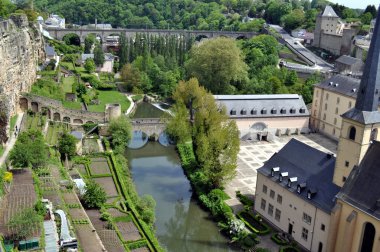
293	42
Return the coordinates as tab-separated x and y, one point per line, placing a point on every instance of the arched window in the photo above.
352	133
368	237
373	135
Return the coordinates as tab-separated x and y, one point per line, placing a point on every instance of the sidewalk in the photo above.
11	141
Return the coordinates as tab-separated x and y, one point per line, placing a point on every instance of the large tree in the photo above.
89	41
95	196
98	55
89	65
67	144
120	131
29	151
218	64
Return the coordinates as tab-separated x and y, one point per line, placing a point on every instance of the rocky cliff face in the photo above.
21	48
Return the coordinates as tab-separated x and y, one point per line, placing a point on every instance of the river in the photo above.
181	225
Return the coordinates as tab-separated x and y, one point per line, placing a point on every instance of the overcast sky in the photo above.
360	4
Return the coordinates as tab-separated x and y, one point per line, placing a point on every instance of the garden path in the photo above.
11	140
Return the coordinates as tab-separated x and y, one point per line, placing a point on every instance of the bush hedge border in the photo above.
253	229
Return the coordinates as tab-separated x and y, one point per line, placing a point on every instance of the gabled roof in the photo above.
329	12
347	86
347	60
253	106
362	189
310	166
85	56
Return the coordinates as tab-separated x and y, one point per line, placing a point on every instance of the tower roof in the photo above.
329	12
367	101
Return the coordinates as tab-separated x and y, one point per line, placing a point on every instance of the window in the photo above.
327	96
335	120
336	111
344	179
263	204
271	194
323	227
316	94
270	209
233	112
306	218
323	126
305	233
279	199
352	133
349	104
263	111
334	131
265	189
324	116
373	135
315	113
277	215
346	163
325	106
337	100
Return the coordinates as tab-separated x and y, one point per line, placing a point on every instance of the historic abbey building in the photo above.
329	203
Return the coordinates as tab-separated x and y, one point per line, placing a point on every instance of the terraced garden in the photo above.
54	130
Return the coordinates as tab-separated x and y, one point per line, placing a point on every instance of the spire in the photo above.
368	95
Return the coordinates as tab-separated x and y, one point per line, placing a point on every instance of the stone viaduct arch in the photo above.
56	112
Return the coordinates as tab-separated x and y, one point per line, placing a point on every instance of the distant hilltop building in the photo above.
53	21
332	34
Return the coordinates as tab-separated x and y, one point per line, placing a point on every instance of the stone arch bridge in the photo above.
59	33
149	126
55	111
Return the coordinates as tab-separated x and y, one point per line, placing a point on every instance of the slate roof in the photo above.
263	106
78	135
347	86
313	167
85	56
347	60
361	188
50	52
329	12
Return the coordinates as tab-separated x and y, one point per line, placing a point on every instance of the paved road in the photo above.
11	141
293	42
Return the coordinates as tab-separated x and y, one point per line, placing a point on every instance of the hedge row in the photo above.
249	224
278	240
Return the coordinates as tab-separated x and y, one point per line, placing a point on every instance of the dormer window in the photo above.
283	175
263	111
283	111
233	112
274	170
302	110
253	112
292	111
291	180
311	193
274	111
243	112
301	187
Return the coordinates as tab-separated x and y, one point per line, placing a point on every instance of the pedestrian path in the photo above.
51	239
12	140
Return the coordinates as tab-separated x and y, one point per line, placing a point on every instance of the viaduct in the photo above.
59	33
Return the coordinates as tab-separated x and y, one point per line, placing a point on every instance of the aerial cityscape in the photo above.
151	126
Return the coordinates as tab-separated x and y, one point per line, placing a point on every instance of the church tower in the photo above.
361	124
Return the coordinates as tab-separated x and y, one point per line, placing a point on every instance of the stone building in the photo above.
332	34
348	65
274	114
347	185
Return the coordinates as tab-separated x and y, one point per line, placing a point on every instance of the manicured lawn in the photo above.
110	97
68	84
68	65
72	105
137	97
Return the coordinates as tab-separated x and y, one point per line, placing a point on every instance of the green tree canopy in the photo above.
120	131
24	223
89	65
67	144
89	41
29	151
95	196
218	64
98	55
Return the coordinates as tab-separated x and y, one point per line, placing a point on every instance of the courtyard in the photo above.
252	156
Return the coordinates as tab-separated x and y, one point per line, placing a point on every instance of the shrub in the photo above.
95	196
254	223
278	239
289	249
244	199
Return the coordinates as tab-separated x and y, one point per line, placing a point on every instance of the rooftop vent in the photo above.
311	193
283	175
301	187
291	180
274	170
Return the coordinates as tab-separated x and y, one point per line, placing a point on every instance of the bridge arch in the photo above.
66	119
72	39
57	116
23	102
34	107
200	37
46	111
241	37
78	121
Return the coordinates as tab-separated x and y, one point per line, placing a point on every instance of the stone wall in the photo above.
21	47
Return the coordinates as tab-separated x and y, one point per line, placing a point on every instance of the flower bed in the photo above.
254	224
279	239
